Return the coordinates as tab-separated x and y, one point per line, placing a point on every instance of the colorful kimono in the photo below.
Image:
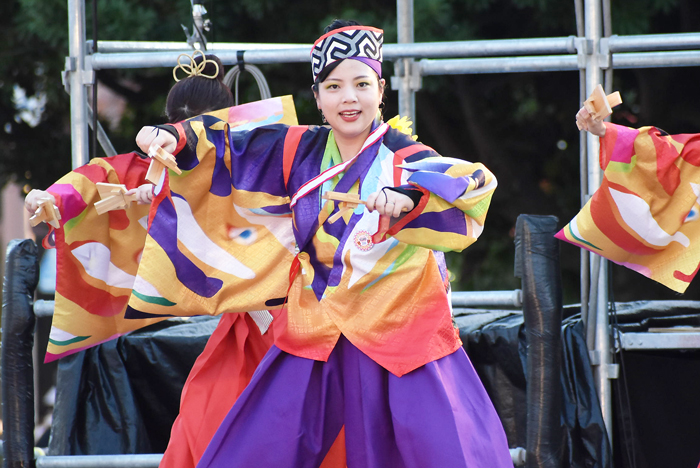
343	265
361	290
645	215
98	255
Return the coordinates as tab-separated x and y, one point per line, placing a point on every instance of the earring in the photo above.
323	117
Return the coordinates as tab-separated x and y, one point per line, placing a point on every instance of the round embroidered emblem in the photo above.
363	241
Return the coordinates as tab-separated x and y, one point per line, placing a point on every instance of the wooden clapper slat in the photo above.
113	197
47	212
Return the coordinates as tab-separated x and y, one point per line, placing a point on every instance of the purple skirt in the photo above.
439	415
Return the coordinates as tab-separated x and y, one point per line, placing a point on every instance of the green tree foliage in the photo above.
520	125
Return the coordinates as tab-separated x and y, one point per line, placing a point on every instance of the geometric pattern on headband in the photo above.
350	41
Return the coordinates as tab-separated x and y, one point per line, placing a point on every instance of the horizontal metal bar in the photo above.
487	298
100	461
499	65
482	48
690	58
111	47
479	48
518	455
547	45
101	61
300	54
671	340
654	42
263	54
43	308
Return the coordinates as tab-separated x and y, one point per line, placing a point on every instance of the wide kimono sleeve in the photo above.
220	236
456	196
645	215
96	256
99	256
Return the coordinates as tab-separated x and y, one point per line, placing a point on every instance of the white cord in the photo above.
231	80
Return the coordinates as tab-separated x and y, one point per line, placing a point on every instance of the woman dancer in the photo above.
367	341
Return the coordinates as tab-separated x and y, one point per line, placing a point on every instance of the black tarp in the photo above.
123	395
496	344
657	399
21	277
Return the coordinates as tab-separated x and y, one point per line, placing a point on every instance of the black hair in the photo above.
339	23
197	95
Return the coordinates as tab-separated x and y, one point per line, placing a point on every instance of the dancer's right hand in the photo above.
31	201
589	123
148	136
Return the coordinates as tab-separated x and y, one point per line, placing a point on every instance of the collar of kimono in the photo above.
331	172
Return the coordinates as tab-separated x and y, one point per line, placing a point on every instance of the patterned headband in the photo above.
194	69
358	42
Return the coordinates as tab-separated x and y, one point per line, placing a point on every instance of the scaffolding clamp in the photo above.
583	47
71	66
605	56
407	69
611	371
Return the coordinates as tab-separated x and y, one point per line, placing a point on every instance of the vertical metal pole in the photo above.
407	96
602	356
583	174
75	65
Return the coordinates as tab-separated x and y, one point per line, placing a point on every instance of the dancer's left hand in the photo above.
144	194
389	203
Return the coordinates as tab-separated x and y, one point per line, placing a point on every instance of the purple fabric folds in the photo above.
444	186
293	409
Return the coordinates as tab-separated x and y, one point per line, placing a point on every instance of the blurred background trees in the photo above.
520	125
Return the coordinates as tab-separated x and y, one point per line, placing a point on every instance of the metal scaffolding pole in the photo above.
638	43
404	68
448	49
479	48
542	63
601	356
75	81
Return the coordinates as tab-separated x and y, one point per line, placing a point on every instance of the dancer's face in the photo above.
349	99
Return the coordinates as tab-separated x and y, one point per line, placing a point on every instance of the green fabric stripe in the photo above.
70	224
154	300
581	241
480	208
76	339
622	167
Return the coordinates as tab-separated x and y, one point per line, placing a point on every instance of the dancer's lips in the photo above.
350	115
